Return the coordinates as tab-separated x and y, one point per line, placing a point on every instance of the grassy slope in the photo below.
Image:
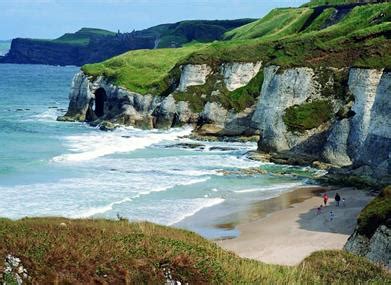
361	31
278	23
361	39
99	251
196	30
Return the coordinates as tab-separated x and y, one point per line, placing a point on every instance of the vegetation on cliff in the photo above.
286	37
56	250
308	115
376	213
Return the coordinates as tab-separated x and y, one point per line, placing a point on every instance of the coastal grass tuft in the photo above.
376	213
308	115
61	251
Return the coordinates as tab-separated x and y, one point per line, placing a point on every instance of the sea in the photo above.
73	170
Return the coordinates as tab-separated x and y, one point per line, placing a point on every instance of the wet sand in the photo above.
288	228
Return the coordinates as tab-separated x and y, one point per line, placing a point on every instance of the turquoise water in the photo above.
50	168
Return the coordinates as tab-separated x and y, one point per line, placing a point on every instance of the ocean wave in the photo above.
97	144
49	115
270	188
194	207
99	210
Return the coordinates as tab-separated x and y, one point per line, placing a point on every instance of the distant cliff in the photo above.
93	45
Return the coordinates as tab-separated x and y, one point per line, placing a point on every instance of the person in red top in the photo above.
325	198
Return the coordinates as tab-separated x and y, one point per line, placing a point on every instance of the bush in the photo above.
308	115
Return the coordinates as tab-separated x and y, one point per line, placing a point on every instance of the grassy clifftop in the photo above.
142	71
286	37
61	251
83	36
80	38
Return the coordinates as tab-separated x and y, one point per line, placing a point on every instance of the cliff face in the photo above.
121	106
338	116
57	53
357	131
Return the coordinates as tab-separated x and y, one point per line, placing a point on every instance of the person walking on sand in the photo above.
337	199
325	198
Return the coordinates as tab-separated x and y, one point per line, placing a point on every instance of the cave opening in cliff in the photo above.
100	98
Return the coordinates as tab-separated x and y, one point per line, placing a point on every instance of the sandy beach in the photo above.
287	236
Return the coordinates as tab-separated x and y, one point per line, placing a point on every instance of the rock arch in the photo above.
100	99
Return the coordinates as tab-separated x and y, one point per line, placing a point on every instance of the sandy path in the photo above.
288	236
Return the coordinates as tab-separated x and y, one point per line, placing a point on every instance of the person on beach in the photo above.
331	216
343	202
337	199
319	210
325	199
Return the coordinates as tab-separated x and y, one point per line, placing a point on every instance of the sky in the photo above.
48	19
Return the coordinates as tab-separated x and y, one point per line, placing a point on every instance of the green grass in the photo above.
108	252
277	24
376	213
82	37
321	20
308	115
142	71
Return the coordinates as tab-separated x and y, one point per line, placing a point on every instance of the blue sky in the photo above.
52	18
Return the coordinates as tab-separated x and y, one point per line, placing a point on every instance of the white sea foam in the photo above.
99	210
97	144
49	115
193	206
270	188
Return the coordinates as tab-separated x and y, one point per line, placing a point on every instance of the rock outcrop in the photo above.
193	75
280	90
377	248
239	74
